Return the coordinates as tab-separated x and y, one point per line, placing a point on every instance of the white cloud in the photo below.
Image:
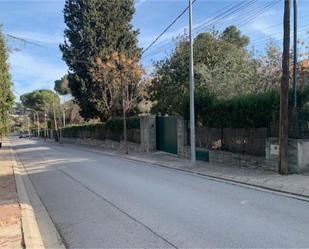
139	3
264	28
31	73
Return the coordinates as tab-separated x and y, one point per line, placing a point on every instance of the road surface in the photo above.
99	201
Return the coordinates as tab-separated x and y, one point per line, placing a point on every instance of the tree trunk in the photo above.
125	139
283	122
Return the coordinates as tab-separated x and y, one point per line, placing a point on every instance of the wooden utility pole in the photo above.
284	105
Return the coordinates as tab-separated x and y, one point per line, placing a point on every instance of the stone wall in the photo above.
298	153
183	148
106	144
101	133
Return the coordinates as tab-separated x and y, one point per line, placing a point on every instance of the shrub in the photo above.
243	111
116	124
99	130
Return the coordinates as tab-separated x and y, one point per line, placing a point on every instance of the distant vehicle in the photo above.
24	135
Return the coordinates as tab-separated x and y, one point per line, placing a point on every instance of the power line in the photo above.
302	30
167	28
224	12
235	8
20	39
258	13
272	26
227	12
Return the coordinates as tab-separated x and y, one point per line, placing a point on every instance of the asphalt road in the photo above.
99	201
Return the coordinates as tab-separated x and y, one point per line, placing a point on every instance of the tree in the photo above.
6	95
270	68
232	35
62	86
120	86
223	68
95	29
40	100
44	102
71	110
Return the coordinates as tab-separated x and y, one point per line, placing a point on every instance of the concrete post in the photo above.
148	133
183	150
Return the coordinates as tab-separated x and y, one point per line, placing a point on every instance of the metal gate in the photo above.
167	134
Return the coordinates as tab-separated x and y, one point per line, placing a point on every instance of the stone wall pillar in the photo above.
298	153
148	133
183	149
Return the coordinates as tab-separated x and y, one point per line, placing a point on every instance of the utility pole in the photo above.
55	123
192	114
284	105
295	55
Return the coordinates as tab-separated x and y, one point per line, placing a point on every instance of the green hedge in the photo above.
253	110
97	130
113	128
116	124
244	111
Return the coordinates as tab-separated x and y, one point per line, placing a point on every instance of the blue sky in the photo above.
41	21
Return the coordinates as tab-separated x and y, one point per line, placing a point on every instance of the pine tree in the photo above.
95	29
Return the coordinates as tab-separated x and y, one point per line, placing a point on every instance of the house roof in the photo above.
304	64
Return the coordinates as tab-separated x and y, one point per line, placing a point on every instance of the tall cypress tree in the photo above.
95	29
6	95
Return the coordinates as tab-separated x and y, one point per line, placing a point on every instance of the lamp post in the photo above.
192	115
45	126
63	117
28	125
36	114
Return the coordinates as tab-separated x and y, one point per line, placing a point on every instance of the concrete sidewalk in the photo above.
10	212
295	184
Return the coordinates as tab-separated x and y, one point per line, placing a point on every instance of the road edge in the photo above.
34	216
211	177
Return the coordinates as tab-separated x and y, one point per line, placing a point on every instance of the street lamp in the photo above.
37	119
63	116
45	126
192	116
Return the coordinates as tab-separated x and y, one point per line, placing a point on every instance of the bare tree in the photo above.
121	85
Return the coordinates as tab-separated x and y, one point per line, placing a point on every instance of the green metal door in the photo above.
167	134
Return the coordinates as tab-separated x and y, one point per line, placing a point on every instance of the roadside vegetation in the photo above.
6	94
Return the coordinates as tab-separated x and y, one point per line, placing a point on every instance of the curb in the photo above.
31	233
34	217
